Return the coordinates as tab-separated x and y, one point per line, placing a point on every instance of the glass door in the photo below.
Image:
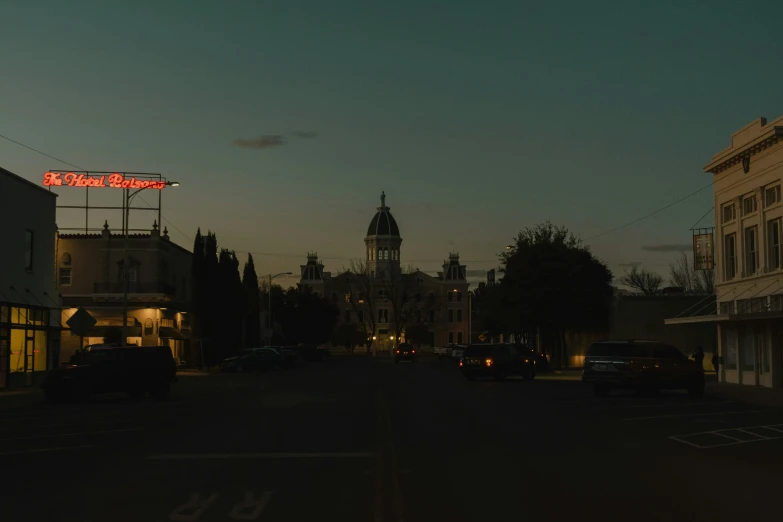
29	352
4	361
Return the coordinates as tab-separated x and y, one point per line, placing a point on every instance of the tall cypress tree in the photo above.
197	295
252	310
212	295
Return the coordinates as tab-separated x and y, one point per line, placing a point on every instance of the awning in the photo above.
167	332
713	318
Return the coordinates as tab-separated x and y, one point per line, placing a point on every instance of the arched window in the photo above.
380	254
386	254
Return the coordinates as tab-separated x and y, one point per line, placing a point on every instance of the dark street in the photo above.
368	440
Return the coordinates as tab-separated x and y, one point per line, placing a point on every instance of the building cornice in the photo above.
733	156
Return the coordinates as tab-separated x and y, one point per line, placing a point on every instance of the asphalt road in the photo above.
366	440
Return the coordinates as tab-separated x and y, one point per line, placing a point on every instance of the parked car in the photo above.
498	361
136	370
255	360
641	366
311	353
405	352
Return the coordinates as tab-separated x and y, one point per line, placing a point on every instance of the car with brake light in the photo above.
405	352
498	361
640	365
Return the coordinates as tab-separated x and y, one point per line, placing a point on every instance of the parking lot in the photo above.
360	439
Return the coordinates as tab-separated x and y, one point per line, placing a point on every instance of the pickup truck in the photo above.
443	351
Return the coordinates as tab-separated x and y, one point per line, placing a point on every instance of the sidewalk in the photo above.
767	397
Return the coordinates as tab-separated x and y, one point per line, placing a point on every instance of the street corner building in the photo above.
29	302
89	269
746	249
383	299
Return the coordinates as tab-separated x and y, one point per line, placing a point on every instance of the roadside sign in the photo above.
81	322
482	338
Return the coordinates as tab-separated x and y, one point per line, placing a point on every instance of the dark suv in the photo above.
498	361
640	366
136	370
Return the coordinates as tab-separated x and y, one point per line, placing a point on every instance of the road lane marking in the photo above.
240	510
42	450
695	415
195	506
77	424
218	456
56	435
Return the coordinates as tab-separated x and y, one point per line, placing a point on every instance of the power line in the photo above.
651	213
39	152
705	215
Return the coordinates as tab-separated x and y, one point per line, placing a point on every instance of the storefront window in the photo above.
4	316
747	348
28	350
17	350
40	351
731	350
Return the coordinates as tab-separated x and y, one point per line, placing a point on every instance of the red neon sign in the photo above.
114	180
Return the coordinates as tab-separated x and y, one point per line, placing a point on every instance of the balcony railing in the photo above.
140	287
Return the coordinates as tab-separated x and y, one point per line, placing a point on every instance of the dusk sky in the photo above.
477	119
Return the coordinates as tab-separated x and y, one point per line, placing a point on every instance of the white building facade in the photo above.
29	302
748	258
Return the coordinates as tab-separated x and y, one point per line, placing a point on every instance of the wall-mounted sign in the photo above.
113	180
703	252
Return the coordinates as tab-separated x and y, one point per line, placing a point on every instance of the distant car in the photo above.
136	370
310	353
405	352
498	361
443	351
641	366
458	351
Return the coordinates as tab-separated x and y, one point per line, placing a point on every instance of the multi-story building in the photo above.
382	290
747	251
29	303
90	275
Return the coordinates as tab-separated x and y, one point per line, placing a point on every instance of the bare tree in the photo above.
692	281
358	283
643	280
398	289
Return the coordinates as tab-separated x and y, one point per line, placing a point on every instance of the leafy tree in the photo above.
398	289
488	308
350	335
643	280
306	317
552	284
252	323
683	275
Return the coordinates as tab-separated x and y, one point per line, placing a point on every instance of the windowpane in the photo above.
751	251
451	337
459	316
774	243
65	276
451	315
459	337
730	255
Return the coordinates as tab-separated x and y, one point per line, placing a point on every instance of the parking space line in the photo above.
41	450
56	435
218	456
697	414
726	436
722	433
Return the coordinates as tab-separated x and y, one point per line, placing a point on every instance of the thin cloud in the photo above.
668	248
305	134
264	142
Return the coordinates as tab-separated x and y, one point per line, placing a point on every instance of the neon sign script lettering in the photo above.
114	180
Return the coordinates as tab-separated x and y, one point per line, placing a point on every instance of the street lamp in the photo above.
269	309
127	200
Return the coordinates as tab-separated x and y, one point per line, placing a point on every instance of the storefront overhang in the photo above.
712	318
759	316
